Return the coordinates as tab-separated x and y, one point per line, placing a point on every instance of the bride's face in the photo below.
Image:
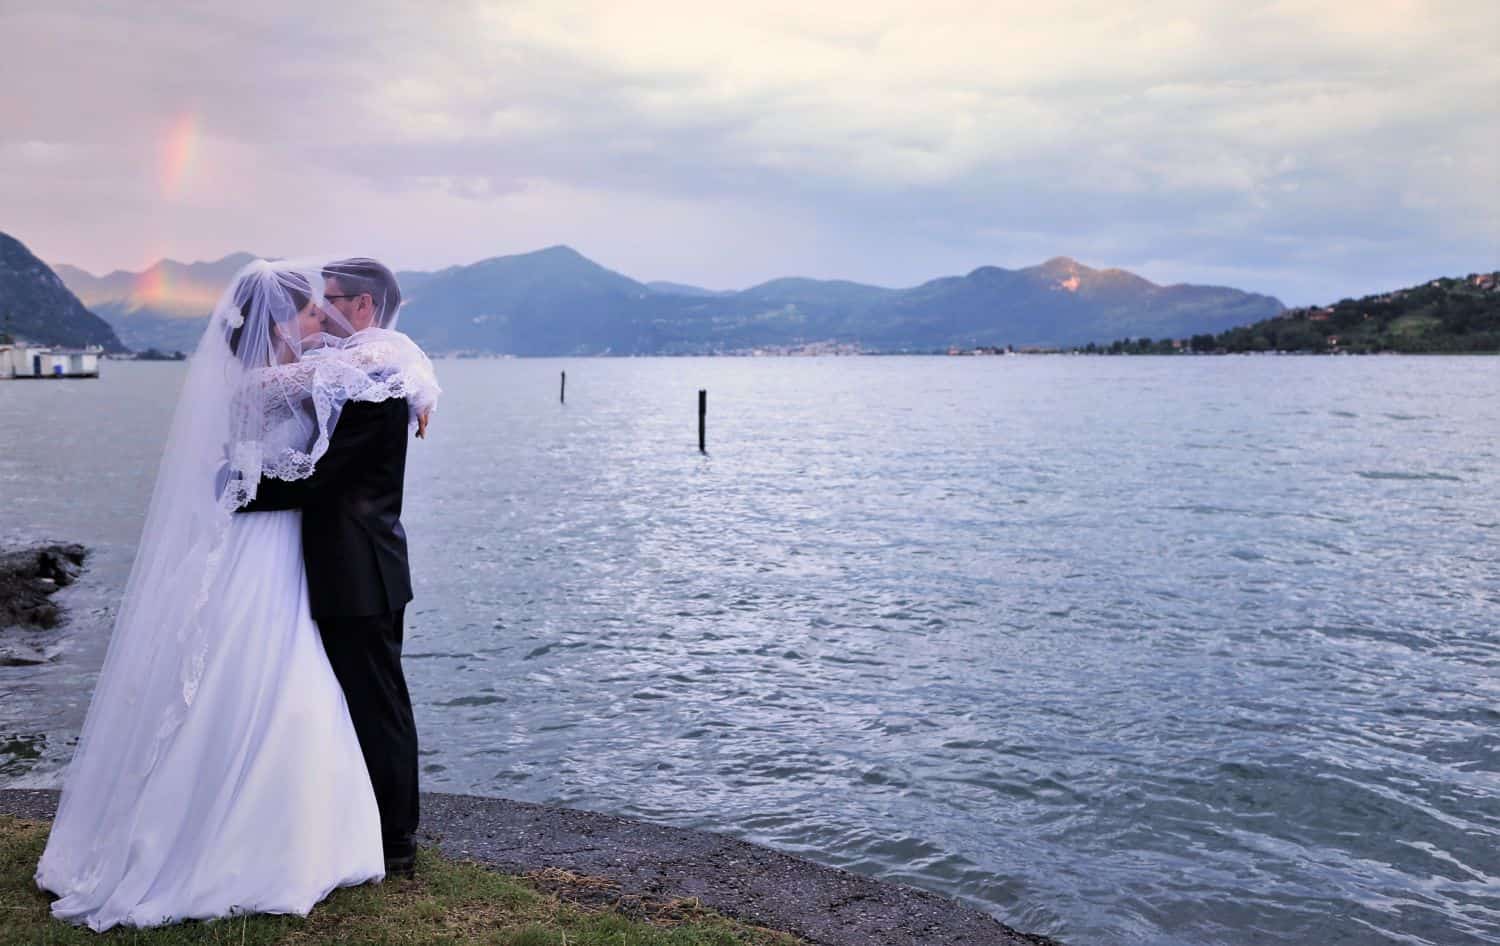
309	321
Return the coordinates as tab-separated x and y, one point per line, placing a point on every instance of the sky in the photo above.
1309	150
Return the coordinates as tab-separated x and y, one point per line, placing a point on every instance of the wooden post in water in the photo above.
562	390
702	419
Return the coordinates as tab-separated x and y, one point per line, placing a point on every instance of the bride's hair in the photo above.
267	298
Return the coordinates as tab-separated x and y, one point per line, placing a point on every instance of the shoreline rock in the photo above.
29	577
824	905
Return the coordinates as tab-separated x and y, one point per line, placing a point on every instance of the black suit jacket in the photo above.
352	540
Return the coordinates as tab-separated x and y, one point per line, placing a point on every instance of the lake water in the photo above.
1131	650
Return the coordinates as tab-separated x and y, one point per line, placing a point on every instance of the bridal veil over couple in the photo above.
250	745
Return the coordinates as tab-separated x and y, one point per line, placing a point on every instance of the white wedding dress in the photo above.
259	802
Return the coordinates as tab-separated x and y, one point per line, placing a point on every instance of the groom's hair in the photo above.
361	274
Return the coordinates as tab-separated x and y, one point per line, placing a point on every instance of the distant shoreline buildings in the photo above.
22	361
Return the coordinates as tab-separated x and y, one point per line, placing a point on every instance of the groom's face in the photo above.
358	309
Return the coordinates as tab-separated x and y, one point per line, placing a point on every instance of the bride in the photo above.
218	771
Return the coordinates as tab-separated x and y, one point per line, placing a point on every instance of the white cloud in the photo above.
877	140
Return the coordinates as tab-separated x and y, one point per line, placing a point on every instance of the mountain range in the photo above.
35	304
163	307
555	301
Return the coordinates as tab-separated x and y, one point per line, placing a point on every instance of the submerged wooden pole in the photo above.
562	390
702	419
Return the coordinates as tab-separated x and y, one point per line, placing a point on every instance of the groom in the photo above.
358	580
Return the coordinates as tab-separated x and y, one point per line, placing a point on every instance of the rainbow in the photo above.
179	155
152	287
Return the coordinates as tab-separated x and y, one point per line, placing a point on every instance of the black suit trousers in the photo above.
366	656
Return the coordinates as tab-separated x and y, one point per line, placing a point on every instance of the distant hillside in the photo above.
549	302
1449	315
556	301
1060	302
36	306
683	289
163	307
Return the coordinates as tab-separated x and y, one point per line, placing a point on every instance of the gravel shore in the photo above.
822	904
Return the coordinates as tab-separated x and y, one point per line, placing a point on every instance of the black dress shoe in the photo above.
402	867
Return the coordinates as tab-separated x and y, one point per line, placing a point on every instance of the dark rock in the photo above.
28	577
61	563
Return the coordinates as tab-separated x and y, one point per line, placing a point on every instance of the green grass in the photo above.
448	902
